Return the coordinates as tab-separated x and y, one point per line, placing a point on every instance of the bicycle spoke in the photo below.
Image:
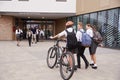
67	66
51	57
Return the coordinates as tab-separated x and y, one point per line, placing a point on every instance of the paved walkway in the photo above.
29	63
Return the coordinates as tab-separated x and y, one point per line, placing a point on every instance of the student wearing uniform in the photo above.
69	28
66	33
42	34
37	34
80	47
29	36
18	32
93	47
34	35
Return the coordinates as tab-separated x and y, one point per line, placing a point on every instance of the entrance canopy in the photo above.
37	15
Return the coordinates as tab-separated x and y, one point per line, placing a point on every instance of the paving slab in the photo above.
29	63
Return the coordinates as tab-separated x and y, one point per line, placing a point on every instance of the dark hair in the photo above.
89	25
68	26
29	29
94	27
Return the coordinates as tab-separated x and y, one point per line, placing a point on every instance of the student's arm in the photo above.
27	35
16	32
58	35
54	37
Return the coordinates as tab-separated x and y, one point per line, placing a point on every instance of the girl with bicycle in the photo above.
69	33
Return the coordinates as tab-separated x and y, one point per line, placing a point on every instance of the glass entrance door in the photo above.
46	27
48	30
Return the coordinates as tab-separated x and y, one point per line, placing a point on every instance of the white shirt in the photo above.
37	31
29	33
79	35
42	32
89	32
20	31
64	33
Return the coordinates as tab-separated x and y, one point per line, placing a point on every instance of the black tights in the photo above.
29	40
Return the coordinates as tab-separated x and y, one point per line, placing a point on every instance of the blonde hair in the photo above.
80	23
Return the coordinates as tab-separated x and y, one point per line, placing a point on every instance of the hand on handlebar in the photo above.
51	37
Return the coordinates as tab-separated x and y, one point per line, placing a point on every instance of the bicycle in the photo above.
53	55
66	61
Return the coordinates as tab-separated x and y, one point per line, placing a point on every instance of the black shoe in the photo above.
86	66
75	68
78	67
94	67
91	64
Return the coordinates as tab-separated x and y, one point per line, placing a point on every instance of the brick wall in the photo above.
60	25
6	28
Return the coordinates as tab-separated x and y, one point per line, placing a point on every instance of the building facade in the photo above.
104	14
45	14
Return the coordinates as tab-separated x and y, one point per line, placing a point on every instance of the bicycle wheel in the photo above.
52	57
67	65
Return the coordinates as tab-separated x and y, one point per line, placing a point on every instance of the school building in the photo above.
52	14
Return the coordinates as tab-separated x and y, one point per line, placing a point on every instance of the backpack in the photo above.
97	38
86	39
71	40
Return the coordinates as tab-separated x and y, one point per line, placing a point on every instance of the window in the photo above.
69	18
80	18
119	21
75	22
102	23
112	28
86	19
118	40
93	19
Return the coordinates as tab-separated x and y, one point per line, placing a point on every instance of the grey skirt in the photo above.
18	36
93	48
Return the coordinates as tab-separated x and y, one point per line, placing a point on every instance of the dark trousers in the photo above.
37	37
80	53
29	40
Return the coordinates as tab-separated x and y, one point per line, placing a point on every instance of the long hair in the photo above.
89	25
93	27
